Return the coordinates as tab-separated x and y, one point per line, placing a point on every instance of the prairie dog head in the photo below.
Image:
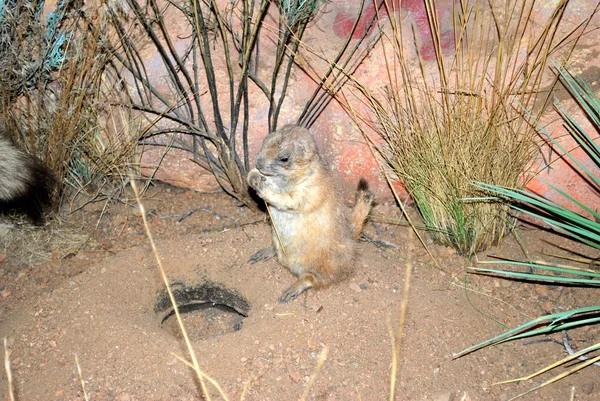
288	153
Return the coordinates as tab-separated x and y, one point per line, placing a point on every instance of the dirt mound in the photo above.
114	316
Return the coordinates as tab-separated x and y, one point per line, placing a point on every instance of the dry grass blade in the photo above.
321	358
207	377
275	228
412	225
588	261
552	366
9	379
397	336
85	396
558	377
376	155
188	344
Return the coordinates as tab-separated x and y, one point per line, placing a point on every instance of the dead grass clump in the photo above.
27	245
444	127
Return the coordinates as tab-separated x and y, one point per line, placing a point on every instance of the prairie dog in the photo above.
317	230
26	185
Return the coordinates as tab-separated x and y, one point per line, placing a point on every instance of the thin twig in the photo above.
275	228
168	287
9	377
321	358
569	349
85	396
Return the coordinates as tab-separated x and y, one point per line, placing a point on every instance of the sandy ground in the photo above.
106	304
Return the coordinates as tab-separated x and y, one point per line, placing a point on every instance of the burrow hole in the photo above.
208	310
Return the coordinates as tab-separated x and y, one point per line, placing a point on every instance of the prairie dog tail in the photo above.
362	207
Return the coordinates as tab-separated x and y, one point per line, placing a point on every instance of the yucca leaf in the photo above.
539	277
581	92
555	323
574	225
564	151
564	220
542	266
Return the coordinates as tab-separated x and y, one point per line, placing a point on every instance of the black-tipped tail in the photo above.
364	203
39	197
27	184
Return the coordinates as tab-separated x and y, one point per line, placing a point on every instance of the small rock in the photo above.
547	306
446	395
364	286
294	375
588	388
542	290
123	397
355	287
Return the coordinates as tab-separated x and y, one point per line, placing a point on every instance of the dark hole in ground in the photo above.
207	310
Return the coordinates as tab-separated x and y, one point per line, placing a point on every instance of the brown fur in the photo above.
318	232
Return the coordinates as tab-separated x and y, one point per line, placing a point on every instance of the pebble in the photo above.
294	375
355	287
123	397
542	290
547	306
588	388
445	395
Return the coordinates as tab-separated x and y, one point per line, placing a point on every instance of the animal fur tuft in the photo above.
364	203
26	185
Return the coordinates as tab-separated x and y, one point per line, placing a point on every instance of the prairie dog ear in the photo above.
303	141
306	144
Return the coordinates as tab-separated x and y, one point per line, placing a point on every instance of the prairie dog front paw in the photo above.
256	179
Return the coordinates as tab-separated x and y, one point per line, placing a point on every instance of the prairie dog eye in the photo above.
284	159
